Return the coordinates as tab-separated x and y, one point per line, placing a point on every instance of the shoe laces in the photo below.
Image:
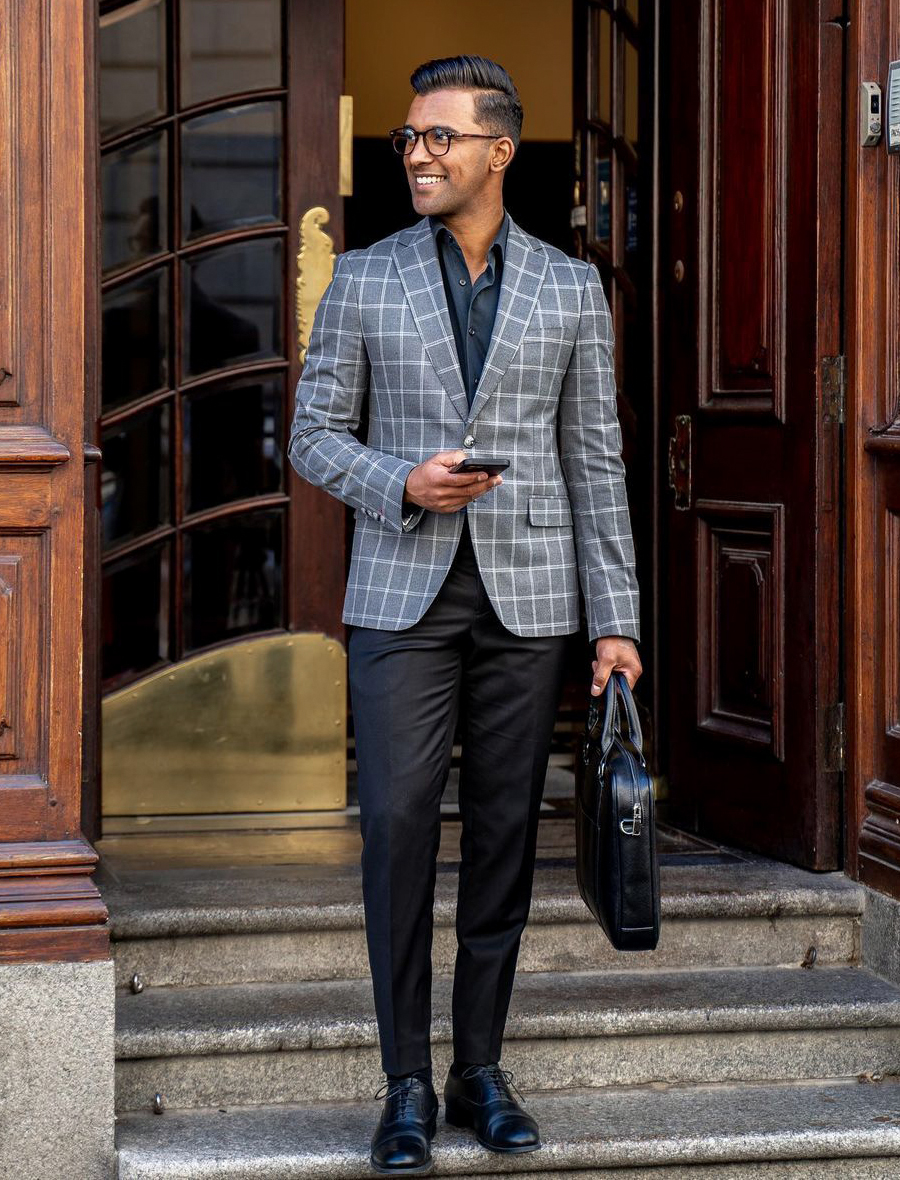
500	1079
401	1094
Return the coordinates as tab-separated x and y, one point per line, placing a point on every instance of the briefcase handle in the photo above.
602	732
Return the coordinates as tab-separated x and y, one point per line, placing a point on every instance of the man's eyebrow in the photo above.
436	126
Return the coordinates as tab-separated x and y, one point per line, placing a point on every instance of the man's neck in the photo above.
475	232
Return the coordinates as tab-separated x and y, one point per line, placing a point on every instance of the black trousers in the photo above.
408	688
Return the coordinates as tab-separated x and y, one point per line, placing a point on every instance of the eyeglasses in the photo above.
437	139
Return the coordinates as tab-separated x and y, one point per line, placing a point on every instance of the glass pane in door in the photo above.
232	577
231	170
631	94
233	442
233	305
601	91
135	622
135	478
132	51
135	338
229	47
135	209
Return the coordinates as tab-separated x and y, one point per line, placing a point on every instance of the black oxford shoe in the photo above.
402	1139
479	1097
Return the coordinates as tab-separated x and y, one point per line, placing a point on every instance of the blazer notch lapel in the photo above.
423	284
524	268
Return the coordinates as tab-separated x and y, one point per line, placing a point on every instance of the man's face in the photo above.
465	170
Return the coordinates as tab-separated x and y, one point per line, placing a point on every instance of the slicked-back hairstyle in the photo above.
498	108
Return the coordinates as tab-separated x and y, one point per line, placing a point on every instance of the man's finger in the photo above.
449	458
602	672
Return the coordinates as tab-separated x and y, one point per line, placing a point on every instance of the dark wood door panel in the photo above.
746	202
740	590
753	561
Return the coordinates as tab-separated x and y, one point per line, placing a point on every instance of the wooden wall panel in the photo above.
49	906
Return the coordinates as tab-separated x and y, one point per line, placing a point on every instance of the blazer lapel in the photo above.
524	267
420	273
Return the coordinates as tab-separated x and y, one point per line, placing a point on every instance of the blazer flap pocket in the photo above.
549	510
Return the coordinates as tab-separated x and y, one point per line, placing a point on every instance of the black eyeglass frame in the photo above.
411	136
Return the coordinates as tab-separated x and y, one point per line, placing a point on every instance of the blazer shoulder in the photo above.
562	265
372	260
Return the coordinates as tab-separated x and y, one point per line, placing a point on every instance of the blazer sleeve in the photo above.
590	443
328	404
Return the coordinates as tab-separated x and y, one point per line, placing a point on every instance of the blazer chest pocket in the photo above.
549	510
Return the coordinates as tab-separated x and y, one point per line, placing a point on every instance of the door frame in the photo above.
873	464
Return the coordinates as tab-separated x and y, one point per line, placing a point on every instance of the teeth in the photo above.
428	179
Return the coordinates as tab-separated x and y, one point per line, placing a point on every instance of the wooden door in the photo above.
612	220
218	130
750	255
49	905
873	477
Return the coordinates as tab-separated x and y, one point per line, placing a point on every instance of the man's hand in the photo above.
615	653
434	486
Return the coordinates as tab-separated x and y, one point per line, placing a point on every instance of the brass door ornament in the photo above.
315	265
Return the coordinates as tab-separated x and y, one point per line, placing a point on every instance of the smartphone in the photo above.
491	466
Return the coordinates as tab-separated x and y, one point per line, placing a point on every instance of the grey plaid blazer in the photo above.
546	401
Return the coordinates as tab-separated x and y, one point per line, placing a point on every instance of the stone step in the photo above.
818	1130
308	1042
306	923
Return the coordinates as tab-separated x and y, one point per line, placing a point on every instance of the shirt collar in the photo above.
439	231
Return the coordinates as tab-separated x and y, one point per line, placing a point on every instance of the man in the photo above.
472	340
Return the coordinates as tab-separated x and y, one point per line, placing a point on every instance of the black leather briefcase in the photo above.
615	830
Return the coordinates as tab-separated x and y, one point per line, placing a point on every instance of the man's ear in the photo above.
503	152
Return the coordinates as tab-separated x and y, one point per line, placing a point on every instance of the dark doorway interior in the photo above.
537	192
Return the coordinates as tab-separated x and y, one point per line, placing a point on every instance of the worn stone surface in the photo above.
56	1071
721	998
818	1169
331	1075
165	1021
681	1126
292	898
341	954
881	935
265	1043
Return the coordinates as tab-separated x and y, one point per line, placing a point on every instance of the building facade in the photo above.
178	177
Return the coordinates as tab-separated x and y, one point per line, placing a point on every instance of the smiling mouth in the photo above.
427	180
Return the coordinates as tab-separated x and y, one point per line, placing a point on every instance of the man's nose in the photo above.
420	154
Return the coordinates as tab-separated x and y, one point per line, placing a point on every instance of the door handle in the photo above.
680	462
315	265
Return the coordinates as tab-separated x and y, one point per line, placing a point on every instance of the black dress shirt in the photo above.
472	306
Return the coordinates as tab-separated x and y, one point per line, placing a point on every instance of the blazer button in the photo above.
469	440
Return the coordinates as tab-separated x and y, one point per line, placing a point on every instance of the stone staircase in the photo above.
751	1043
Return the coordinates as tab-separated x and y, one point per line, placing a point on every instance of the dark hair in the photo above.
497	107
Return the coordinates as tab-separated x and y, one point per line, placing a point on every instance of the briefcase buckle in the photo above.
632	826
